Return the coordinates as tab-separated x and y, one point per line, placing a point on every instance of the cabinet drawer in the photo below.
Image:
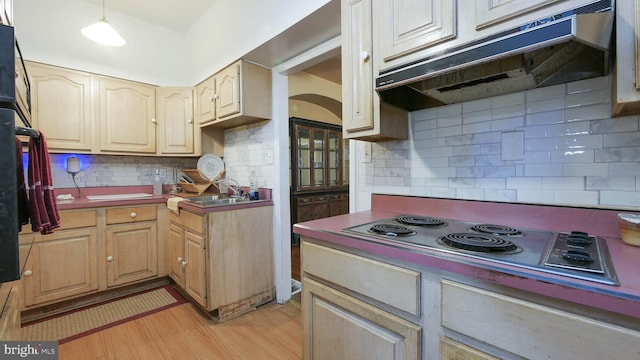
312	199
191	221
368	277
77	219
130	214
549	333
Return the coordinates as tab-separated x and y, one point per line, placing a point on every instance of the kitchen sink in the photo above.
214	200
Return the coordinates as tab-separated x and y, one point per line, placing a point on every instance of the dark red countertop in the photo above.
82	202
624	299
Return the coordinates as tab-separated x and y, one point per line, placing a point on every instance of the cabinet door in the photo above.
334	166
411	25
338	326
489	12
175	121
195	267
228	91
131	253
61	107
61	265
205	102
127	116
176	254
453	350
357	66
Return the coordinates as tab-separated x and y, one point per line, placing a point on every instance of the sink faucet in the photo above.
235	190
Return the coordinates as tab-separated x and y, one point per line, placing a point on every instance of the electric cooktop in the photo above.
576	254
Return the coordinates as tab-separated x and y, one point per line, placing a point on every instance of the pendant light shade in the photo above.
103	33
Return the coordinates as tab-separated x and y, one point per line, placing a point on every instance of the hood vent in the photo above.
567	47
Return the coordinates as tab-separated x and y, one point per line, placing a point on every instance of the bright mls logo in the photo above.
29	350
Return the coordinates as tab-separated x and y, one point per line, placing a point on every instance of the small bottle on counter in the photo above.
253	188
157	183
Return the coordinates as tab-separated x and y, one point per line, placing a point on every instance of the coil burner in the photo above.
392	230
420	221
497	230
479	243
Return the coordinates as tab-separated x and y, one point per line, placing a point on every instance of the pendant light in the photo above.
103	33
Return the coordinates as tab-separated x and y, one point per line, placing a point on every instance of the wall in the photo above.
102	170
49	32
574	153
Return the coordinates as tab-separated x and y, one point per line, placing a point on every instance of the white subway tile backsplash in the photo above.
574	153
535	196
622	139
545	118
579	169
546	105
590	112
544	93
543	170
508	100
507	124
563	183
617	154
475	106
576	197
573	156
599	83
619	183
476	128
527	183
598	96
621	124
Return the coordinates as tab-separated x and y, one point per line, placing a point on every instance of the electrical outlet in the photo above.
367	148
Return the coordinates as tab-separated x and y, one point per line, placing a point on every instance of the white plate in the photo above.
210	166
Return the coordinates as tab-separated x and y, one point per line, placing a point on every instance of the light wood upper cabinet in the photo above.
410	25
228	91
177	133
242	96
625	85
62	106
205	102
364	116
489	12
127	117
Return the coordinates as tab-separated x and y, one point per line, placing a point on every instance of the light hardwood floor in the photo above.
271	332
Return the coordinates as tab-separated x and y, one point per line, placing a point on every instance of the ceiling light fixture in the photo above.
102	32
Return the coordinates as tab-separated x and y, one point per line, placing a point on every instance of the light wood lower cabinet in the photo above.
93	250
224	260
340	325
532	330
10	311
453	350
188	257
131	253
61	265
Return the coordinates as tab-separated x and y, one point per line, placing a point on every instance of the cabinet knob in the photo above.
179	259
133	215
184	263
109	258
211	98
189	121
364	56
154	120
28	273
216	97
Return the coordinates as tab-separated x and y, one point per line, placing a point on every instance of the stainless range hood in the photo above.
567	47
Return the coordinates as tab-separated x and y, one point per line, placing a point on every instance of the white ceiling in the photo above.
172	14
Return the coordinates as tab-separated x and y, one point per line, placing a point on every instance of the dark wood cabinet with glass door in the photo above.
319	173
